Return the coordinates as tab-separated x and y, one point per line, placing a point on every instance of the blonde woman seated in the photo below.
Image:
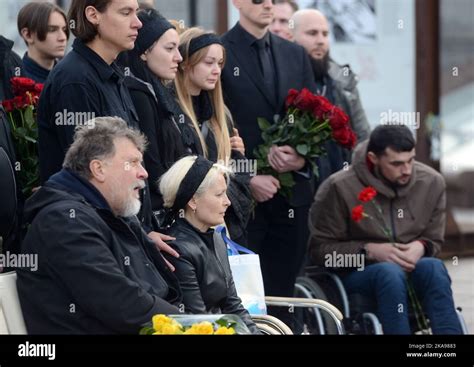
194	189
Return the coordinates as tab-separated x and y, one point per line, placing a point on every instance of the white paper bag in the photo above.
249	282
247	275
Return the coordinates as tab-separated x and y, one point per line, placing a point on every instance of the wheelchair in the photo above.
358	310
270	325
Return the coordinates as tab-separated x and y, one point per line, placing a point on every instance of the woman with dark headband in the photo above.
151	66
199	92
194	189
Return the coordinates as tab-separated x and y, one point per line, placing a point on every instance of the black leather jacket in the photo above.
204	273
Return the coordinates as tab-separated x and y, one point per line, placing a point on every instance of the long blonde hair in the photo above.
218	120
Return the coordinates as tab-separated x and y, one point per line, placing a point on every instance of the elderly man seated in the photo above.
98	272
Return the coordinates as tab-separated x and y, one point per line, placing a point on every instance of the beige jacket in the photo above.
415	212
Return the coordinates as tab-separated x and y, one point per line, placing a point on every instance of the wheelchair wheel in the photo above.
307	318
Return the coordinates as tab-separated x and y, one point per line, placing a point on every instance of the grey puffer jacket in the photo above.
347	96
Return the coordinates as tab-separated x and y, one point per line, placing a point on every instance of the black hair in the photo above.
396	137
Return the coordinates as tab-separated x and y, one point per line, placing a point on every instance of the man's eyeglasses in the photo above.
258	2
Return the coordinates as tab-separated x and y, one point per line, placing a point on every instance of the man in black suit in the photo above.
259	71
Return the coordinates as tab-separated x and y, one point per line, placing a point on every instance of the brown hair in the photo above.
80	26
35	17
292	3
219	118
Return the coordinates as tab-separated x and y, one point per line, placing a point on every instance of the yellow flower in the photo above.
202	328
171	330
166	325
222	330
163	324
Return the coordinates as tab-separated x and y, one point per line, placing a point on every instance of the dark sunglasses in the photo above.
258	2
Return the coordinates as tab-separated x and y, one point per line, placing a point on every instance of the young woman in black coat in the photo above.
150	67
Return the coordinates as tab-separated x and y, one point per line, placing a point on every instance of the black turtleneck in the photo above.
202	107
204	110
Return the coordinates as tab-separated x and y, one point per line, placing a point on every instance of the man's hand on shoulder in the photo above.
159	241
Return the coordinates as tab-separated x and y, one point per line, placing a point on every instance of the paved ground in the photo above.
462	276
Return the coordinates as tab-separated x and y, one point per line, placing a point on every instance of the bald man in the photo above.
335	82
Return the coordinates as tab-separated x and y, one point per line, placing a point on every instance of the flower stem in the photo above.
322	126
385	228
12	120
419	314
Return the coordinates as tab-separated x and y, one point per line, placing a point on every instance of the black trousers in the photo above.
279	233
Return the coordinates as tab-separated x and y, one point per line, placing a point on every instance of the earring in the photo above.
194	210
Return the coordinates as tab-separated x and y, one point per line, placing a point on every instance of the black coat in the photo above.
168	138
10	65
204	273
80	87
12	240
97	273
247	99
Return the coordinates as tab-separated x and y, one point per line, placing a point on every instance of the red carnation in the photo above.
290	99
367	194
357	213
304	100
321	107
338	119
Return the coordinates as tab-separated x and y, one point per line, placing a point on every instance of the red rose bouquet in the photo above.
309	122
21	115
367	195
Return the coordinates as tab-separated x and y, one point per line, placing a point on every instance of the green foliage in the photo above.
25	135
299	130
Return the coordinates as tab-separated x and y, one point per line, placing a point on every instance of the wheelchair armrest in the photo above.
304	302
332	311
